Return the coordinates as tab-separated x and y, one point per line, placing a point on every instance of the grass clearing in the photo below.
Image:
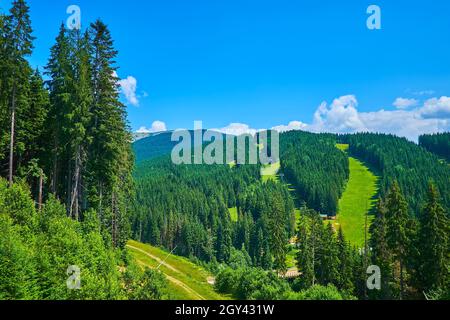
357	201
187	281
233	214
270	172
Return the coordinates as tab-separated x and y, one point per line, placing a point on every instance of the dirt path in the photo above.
172	279
161	262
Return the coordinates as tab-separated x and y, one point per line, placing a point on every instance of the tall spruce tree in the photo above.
110	156
397	234
278	234
17	44
328	267
79	119
345	281
308	240
61	73
433	244
381	253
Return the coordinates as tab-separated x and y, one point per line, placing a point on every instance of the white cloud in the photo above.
436	108
402	103
343	117
292	126
128	88
237	129
157	126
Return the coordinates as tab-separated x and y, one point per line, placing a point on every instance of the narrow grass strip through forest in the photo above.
357	201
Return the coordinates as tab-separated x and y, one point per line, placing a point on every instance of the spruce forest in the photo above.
87	212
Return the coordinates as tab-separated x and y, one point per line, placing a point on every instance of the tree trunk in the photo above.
41	180
401	280
113	219
74	202
55	166
11	144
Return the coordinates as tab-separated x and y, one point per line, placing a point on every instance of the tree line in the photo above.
65	170
397	159
316	168
438	143
67	135
186	208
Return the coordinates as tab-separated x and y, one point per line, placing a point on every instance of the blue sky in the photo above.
268	63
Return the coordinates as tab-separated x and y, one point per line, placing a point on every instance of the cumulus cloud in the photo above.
157	126
292	126
343	117
402	103
128	88
436	108
237	129
340	117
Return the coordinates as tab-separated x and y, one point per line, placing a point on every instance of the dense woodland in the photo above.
397	159
65	152
187	208
66	136
438	143
316	168
69	196
404	241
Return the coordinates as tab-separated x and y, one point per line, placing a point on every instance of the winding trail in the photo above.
175	281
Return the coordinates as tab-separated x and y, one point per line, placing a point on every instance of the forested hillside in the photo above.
397	159
316	168
65	150
37	249
72	196
187	207
153	146
438	143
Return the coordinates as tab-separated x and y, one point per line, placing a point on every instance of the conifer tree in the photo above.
328	267
17	45
278	234
110	156
345	281
308	239
433	244
60	71
397	234
381	254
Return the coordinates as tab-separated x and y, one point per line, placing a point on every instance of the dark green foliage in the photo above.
433	245
382	255
323	257
318	293
316	168
251	284
397	159
154	146
397	233
438	143
73	129
37	249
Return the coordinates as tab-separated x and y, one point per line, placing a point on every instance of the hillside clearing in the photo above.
187	281
270	171
357	201
233	214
